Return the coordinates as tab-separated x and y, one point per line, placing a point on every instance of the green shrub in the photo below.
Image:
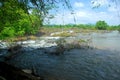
16	22
101	25
7	32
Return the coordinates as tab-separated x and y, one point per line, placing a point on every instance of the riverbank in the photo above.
55	32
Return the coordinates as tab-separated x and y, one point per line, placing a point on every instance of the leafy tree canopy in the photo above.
15	21
101	25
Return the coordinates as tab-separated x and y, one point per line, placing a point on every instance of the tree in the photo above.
14	21
101	25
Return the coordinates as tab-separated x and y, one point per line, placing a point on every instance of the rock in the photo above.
71	31
3	45
2	78
51	50
15	49
49	38
55	50
42	42
27	71
55	33
10	72
50	44
12	51
28	42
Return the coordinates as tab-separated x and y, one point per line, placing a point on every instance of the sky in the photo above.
84	13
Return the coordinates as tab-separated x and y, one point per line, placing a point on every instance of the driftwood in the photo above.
12	73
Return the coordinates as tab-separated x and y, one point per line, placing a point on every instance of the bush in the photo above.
101	25
7	32
16	22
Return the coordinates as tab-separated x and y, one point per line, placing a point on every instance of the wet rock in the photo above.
2	78
12	73
37	45
28	42
3	45
56	33
51	50
55	50
27	71
13	51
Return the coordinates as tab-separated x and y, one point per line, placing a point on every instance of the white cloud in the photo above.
84	17
78	4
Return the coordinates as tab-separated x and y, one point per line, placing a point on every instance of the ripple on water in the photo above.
76	64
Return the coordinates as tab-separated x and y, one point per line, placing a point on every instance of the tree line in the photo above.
99	25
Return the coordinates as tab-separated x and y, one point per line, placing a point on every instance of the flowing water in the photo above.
101	63
107	40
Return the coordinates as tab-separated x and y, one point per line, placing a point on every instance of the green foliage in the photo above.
7	32
80	26
118	28
101	25
14	21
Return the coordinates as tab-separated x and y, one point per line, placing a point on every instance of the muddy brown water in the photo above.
101	63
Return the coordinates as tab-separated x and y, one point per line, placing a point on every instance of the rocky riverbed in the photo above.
48	44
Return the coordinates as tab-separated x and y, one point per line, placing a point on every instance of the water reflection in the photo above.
107	40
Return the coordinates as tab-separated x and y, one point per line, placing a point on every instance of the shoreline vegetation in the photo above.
54	32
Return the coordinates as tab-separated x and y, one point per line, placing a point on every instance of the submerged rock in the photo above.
53	50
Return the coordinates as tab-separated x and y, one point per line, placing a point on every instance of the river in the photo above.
100	63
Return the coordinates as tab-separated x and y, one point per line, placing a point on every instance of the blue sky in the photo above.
85	14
